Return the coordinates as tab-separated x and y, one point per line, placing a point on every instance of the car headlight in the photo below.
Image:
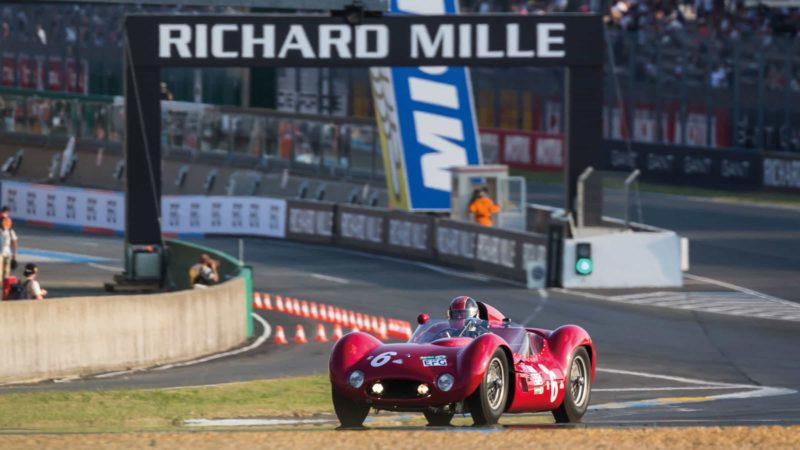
356	379
423	390
445	382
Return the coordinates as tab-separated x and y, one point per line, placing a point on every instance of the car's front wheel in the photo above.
578	390
488	402
351	414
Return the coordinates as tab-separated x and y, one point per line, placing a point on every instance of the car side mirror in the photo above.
423	318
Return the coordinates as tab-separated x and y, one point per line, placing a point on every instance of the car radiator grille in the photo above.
400	389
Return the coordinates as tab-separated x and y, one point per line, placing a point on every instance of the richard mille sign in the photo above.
395	41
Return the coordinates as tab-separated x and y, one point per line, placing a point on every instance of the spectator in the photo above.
32	289
41	35
719	77
204	273
165	93
482	207
5	31
5	212
8	248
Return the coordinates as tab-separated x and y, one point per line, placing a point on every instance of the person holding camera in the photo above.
204	273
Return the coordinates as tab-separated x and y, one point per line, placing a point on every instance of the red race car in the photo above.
477	360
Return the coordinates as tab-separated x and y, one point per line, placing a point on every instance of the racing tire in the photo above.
578	388
488	402
351	414
441	419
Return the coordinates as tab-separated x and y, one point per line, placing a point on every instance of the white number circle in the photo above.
382	359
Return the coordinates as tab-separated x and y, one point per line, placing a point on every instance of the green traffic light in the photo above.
584	266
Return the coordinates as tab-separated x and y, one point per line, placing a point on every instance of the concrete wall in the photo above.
72	336
627	260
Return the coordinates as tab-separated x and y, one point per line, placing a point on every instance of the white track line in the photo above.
330	278
454	273
752	391
664	388
741	289
683	380
105	267
259	341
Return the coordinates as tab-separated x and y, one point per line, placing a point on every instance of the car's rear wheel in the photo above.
351	414
438	419
578	388
488	402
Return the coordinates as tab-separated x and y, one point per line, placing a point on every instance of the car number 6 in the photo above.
382	359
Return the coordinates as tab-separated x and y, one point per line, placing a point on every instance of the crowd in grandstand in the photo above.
84	24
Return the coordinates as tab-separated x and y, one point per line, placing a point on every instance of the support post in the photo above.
142	155
583	132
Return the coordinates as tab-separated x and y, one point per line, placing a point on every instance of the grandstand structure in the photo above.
677	76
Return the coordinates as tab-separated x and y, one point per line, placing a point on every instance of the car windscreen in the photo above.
442	329
433	330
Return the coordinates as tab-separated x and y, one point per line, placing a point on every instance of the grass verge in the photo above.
759	196
158	409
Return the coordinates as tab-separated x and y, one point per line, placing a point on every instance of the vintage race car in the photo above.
484	365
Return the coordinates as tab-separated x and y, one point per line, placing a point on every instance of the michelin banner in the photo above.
426	119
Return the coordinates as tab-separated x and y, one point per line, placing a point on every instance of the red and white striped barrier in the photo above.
381	327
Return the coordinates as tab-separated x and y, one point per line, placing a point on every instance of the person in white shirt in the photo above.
33	291
8	248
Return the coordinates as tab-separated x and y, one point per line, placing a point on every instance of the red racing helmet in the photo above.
462	308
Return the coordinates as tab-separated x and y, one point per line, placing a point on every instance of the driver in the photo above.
462	308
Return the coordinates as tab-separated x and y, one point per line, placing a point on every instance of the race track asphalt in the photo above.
656	366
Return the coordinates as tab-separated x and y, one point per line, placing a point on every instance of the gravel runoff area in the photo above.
771	437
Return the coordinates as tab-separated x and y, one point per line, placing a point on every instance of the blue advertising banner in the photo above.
426	119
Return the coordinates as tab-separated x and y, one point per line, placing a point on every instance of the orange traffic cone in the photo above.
304	310
296	307
337	332
279	303
321	337
351	319
257	301
280	336
407	330
382	333
360	321
300	335
289	306
374	325
323	313
354	330
313	311
266	302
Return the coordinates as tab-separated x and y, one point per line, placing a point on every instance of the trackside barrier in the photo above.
183	255
65	337
414	236
381	327
465	245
